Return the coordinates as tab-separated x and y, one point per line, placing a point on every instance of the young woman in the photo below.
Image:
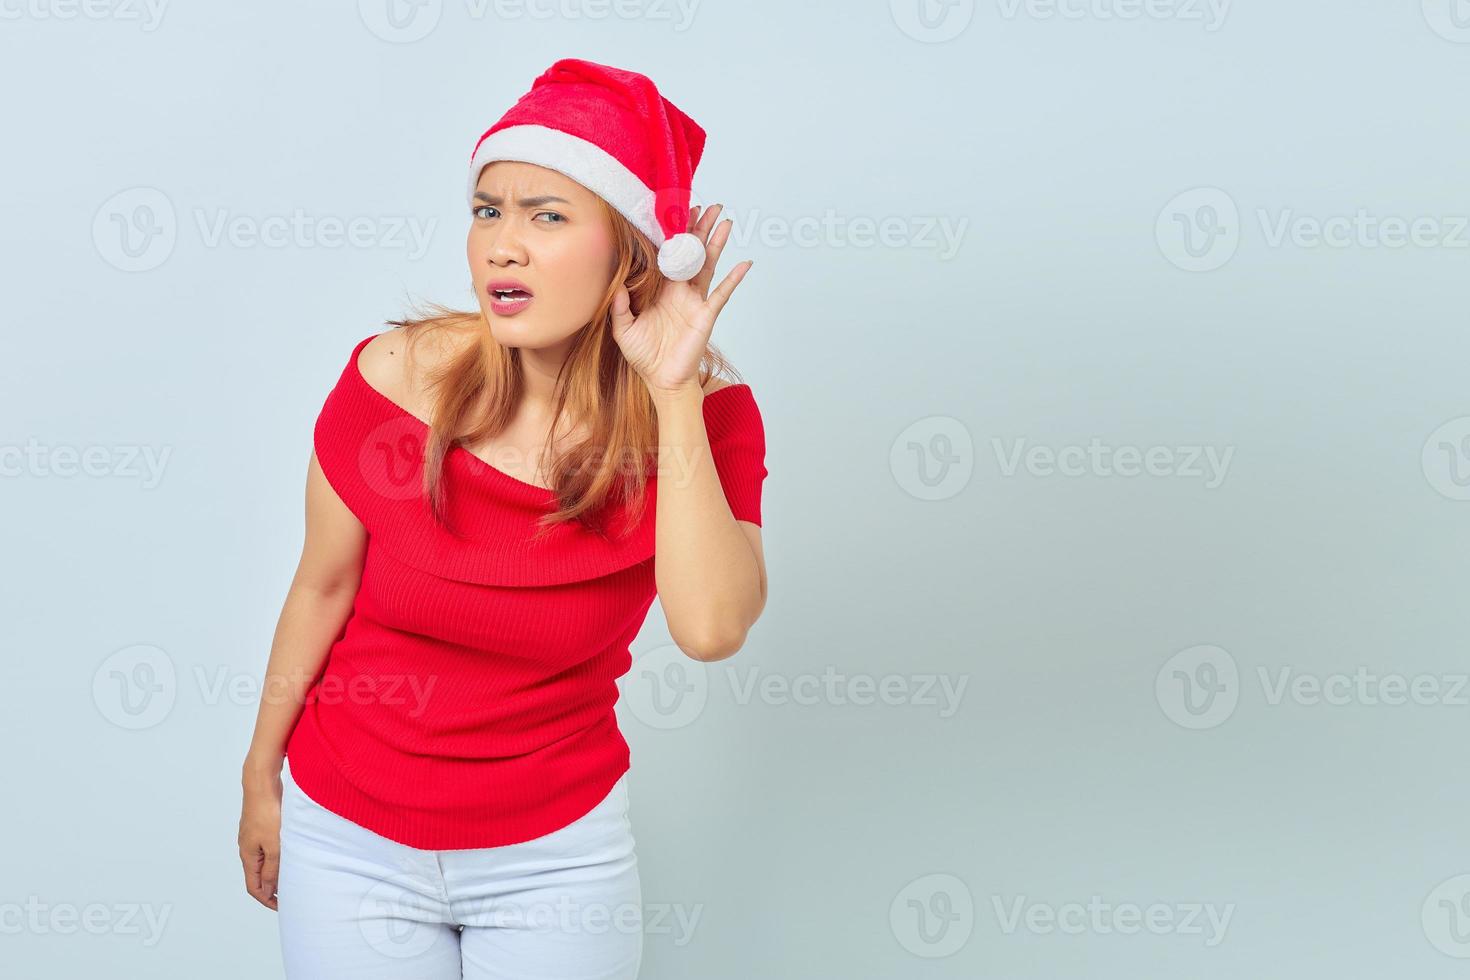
493	501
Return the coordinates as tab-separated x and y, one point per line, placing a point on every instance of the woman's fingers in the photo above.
717	243
252	859
706	222
270	875
723	291
251	864
261	860
712	251
622	311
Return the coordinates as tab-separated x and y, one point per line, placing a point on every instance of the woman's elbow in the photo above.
711	646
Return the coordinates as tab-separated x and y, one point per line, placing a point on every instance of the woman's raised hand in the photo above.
664	343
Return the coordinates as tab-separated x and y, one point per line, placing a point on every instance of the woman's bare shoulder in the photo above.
398	362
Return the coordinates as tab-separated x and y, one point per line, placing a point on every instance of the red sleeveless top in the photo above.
468	700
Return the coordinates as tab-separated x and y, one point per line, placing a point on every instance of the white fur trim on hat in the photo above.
586	163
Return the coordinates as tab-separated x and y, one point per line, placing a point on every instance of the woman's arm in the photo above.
709	568
317	604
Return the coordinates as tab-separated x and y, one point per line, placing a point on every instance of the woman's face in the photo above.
548	233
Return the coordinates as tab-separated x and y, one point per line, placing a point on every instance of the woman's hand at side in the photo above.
260	832
318	603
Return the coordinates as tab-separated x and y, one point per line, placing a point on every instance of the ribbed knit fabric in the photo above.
468	700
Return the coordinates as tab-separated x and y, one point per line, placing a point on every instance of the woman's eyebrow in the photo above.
525	202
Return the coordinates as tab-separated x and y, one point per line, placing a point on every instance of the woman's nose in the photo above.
508	245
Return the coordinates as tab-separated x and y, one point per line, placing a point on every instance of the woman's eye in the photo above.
551	214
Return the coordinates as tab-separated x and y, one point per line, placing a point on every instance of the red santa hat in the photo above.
610	131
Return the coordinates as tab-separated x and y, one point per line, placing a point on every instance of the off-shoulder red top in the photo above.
468	700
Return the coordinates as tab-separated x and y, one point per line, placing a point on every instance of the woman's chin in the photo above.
516	331
523	332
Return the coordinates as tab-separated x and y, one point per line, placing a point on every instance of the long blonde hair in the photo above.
596	382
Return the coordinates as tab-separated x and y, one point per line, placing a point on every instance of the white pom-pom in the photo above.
681	257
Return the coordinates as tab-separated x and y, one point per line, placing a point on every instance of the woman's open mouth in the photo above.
507	298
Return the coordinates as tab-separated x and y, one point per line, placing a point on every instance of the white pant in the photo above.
354	904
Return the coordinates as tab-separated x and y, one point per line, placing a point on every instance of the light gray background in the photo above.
834	835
